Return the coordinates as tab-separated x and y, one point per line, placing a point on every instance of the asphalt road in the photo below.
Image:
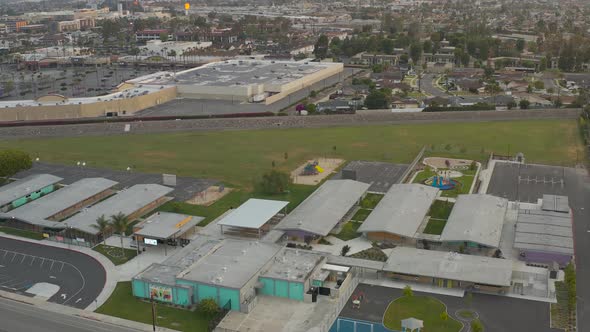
427	85
23	264
20	317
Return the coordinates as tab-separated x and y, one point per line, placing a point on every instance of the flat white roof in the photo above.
450	265
37	211
164	225
476	218
23	187
401	210
253	213
324	208
125	201
556	203
337	268
546	231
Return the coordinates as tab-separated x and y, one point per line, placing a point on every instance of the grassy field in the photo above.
370	201
122	304
237	157
296	195
361	215
348	231
465	182
441	209
435	226
114	253
425	308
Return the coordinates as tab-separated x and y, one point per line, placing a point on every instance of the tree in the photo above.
320	49
119	223
427	46
476	325
311	108
415	52
444	316
520	45
13	161
102	225
208	307
524	104
164	37
539	85
408	292
273	182
511	104
345	249
377	99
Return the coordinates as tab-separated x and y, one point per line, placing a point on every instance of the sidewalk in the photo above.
65	310
415	287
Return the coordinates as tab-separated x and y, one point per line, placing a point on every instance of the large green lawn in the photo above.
122	304
425	308
237	157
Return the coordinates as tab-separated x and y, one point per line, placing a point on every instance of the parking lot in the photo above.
380	175
80	278
497	313
525	182
185	189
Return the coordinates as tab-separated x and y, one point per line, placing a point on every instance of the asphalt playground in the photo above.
497	313
80	278
527	182
185	189
381	176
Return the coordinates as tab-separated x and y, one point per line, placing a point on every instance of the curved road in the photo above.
80	278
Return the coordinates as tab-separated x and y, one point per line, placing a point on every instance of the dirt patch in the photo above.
328	166
438	162
209	196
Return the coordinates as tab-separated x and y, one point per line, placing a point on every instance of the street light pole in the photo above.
153	313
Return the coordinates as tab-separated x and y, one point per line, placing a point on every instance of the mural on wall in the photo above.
159	293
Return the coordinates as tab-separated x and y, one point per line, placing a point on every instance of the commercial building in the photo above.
399	214
319	213
253	218
449	269
158	47
48	211
28	189
545	236
260	81
475	221
153	34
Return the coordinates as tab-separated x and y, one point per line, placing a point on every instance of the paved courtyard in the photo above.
380	175
497	313
185	189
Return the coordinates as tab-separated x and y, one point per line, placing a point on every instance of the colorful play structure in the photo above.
441	182
312	168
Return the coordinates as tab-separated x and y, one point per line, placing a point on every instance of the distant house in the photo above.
437	101
334	106
468	84
403	103
370	59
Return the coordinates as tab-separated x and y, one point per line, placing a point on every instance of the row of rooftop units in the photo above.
248	257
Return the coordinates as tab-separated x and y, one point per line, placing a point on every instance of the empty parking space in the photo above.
80	278
381	176
527	183
185	189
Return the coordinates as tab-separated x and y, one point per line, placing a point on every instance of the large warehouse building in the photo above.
260	81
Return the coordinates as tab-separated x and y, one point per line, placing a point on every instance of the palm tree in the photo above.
119	223
102	225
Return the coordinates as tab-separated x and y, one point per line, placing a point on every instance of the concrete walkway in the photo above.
415	287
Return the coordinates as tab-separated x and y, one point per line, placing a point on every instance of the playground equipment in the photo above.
312	168
442	181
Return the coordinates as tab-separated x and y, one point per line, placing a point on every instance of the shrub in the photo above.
208	307
273	182
408	292
345	249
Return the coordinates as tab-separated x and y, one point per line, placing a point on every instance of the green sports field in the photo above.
237	157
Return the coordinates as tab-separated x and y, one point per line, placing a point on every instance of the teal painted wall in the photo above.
227	294
206	292
139	289
47	189
281	288
317	283
269	286
182	296
19	202
35	195
296	291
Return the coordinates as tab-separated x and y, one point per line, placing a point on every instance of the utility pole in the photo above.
153	314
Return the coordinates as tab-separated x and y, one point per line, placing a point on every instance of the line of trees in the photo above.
116	223
13	161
